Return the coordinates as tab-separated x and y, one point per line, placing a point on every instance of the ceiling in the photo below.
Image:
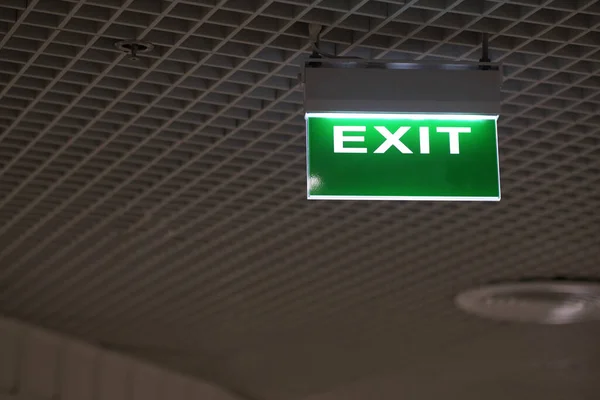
158	207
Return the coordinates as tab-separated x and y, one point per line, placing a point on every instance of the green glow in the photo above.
402	157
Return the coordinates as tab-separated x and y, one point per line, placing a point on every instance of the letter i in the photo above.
424	139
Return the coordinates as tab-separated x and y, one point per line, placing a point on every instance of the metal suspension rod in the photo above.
485	55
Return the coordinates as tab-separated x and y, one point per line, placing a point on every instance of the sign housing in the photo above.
394	130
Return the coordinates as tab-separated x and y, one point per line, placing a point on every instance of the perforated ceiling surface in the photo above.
158	206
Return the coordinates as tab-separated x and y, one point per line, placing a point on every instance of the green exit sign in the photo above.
402	157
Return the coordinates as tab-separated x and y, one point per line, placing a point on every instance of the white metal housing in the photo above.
401	87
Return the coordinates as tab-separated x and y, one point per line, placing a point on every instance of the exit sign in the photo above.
402	157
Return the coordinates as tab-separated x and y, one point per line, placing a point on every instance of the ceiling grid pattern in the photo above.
168	194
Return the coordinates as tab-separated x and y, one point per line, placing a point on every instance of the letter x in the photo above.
392	139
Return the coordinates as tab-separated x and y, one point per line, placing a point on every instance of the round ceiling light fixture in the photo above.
541	302
134	48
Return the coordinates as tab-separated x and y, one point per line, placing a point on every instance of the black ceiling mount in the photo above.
134	48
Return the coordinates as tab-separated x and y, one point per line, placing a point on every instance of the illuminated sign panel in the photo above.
402	157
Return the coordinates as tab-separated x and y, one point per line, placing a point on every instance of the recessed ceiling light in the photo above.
134	48
542	302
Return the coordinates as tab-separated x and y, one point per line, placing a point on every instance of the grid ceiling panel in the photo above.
158	206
